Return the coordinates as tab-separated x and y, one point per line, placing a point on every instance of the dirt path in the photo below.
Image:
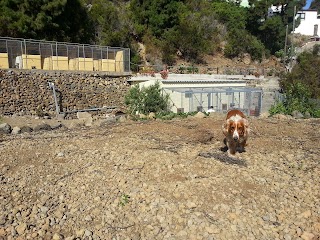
161	180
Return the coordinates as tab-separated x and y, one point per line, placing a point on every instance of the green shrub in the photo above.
297	97
146	100
277	108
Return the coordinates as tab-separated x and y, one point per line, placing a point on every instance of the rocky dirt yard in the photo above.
161	180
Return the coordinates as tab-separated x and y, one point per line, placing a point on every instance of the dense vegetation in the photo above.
191	28
301	87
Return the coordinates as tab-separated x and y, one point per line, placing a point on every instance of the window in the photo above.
302	15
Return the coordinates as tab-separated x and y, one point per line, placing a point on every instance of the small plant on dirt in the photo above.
146	100
277	108
124	199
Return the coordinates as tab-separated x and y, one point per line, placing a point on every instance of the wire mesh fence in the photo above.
222	99
45	55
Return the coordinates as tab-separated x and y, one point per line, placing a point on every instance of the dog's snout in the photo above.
235	138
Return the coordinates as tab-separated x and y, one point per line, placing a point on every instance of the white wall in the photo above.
306	26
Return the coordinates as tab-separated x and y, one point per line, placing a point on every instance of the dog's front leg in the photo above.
231	147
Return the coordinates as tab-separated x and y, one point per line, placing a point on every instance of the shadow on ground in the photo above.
224	158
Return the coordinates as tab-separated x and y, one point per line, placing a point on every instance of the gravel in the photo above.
161	180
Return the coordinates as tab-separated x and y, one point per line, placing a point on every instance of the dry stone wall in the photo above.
27	92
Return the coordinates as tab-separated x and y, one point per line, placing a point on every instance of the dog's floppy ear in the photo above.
246	124
225	127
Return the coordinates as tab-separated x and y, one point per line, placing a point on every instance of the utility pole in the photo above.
292	45
285	42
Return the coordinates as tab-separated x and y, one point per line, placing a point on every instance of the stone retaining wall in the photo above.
26	92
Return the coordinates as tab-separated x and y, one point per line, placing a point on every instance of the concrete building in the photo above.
309	23
198	92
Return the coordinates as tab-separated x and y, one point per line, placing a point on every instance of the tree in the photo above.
59	20
154	15
111	23
195	35
306	71
235	19
271	29
315	5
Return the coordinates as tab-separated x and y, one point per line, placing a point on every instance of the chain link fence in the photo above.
220	99
45	55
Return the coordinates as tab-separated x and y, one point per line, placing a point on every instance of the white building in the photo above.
309	22
198	92
275	10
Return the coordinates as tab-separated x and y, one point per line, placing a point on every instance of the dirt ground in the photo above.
160	180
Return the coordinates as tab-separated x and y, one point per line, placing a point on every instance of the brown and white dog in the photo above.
236	129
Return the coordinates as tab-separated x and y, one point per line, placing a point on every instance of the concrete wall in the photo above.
25	91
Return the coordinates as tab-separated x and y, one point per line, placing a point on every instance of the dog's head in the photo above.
237	129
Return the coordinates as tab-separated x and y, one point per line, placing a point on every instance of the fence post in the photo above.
51	85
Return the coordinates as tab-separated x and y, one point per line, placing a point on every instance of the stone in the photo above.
287	237
60	154
44	209
122	119
42	127
2	218
152	115
21	228
307	115
143	116
56	126
61	116
26	129
264	115
16	130
70	238
83	115
317	226
307	236
199	115
5	128
306	214
280	116
191	204
80	233
2	232
87	233
56	236
297	114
